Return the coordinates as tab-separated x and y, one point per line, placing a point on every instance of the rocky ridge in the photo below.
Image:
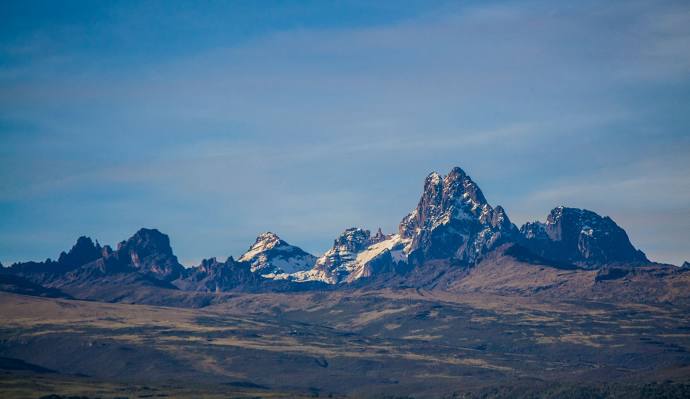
453	225
580	237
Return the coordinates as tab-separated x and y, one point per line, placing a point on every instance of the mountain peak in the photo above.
455	195
271	256
461	187
561	211
83	251
150	233
149	250
353	239
453	207
582	237
266	240
356	254
148	240
457	173
433	179
269	235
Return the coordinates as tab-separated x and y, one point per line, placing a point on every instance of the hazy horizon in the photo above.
215	123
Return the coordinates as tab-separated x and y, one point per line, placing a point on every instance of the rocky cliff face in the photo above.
338	262
454	221
356	254
214	276
84	251
149	252
270	256
580	237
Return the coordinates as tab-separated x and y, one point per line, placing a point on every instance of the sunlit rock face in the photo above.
271	256
356	254
454	221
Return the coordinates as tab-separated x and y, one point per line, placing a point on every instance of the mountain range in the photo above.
457	302
453	239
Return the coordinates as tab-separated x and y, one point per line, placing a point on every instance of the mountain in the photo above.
580	237
149	251
145	259
441	243
454	221
457	297
272	257
356	254
144	269
686	264
455	226
147	256
214	276
83	251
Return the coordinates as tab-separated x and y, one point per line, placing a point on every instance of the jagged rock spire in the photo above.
454	220
83	251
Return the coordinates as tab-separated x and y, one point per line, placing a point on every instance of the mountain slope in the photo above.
270	256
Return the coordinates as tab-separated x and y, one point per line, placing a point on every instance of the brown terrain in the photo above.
504	328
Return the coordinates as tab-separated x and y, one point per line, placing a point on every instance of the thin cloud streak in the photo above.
318	129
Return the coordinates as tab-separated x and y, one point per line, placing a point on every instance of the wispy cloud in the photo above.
316	128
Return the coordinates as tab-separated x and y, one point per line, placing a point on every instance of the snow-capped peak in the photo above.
355	254
271	256
264	242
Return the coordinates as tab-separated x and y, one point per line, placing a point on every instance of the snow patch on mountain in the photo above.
272	257
355	254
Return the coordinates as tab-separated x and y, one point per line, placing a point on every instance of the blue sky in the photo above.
219	120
